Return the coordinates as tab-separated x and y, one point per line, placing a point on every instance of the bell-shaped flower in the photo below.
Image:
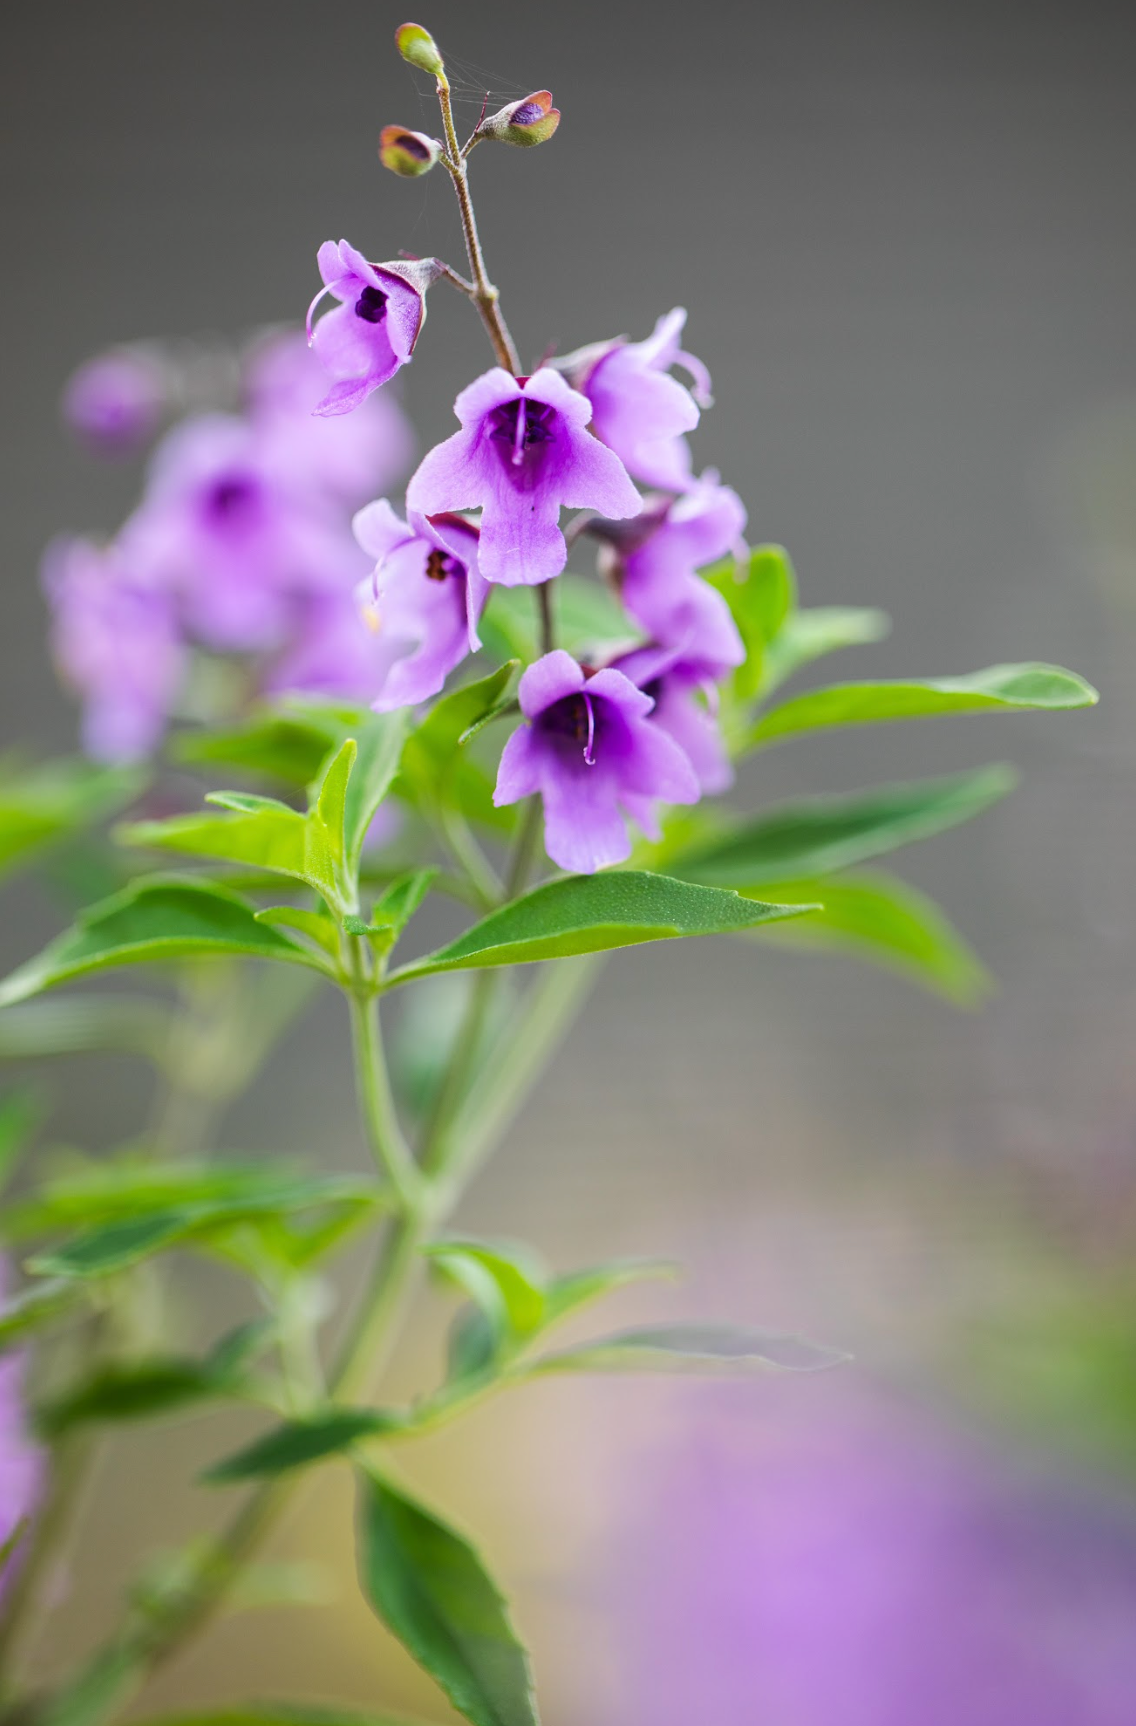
655	561
522	452
683	688
590	751
347	457
229	533
638	409
116	642
422	602
367	337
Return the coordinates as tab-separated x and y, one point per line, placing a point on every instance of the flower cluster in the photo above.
598	743
241	544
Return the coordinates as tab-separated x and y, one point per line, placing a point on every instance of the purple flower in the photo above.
682	684
225	530
657	567
522	452
422	601
857	1566
21	1463
347	457
365	340
591	753
115	401
638	409
116	642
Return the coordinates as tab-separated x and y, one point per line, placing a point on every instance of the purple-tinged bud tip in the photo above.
407	153
530	121
420	49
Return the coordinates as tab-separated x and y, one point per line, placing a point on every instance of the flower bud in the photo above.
407	153
419	47
531	121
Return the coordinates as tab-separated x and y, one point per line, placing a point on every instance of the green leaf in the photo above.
155	920
116	1245
819	835
431	1589
36	1307
41	805
998	688
588	617
873	915
140	1390
20	1114
817	631
567	1294
286	745
505	1281
437	771
380	743
591	913
316	925
761	595
297	1443
697	1348
402	899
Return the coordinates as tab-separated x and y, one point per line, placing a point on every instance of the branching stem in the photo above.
484	295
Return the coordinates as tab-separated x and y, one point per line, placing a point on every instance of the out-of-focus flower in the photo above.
522	452
222	528
861	1567
350	456
638	409
115	401
408	154
21	1461
422	601
116	642
593	756
365	340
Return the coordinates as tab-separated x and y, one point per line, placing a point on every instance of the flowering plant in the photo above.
263	615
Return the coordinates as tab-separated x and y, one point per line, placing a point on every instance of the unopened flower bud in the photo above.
531	121
407	153
419	47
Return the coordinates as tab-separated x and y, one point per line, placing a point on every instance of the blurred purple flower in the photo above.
591	753
222	528
422	601
522	452
115	401
348	457
21	1461
683	688
365	340
638	409
116	642
656	567
863	1568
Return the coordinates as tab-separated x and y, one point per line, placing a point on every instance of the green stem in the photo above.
376	1104
71	1464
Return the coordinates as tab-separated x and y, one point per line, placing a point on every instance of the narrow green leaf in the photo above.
380	743
116	1245
153	921
42	805
819	835
431	1589
314	924
141	1390
873	915
515	1275
278	1714
297	1443
761	595
437	771
567	1294
814	633
696	1348
998	688
20	1114
402	899
591	913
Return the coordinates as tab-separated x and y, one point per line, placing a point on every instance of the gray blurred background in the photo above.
905	238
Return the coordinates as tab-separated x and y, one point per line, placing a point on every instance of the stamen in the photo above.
519	433
590	745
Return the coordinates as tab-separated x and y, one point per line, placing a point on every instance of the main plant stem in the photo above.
485	295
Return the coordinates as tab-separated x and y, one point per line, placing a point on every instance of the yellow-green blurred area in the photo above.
904	237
